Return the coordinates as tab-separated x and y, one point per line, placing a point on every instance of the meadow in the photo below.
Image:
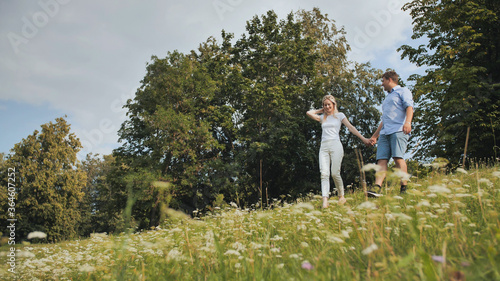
446	227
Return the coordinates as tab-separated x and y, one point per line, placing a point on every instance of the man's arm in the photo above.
409	117
373	139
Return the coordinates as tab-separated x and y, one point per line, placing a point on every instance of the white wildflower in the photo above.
389	216
439	189
431	215
37	234
402	175
175	254
304	244
351	213
449	225
294	256
276	238
256	246
459	204
275	250
345	233
496	174
367	205
304	205
398	197
301	227
232	252
25	254
86	268
280	265
432	195
370	249
176	230
486	181
334	239
371	166
238	246
424	203
402	216
263	215
462	170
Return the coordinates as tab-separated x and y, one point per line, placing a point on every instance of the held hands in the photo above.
366	141
372	141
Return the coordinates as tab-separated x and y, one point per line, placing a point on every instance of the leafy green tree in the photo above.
48	181
96	207
277	65
174	126
287	67
461	86
205	121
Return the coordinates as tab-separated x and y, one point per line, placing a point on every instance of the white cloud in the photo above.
81	57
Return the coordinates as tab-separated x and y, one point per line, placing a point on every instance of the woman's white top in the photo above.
331	126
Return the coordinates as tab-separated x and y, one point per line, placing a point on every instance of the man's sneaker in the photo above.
372	193
403	189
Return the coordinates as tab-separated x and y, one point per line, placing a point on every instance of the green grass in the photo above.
446	226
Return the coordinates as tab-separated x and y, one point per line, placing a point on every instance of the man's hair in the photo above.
391	74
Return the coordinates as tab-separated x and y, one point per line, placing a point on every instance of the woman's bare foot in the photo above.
325	202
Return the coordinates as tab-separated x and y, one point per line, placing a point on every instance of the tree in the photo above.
461	86
48	181
174	128
277	67
205	121
97	206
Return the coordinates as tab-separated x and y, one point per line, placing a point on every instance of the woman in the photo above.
331	151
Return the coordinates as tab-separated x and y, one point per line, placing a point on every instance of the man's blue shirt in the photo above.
394	110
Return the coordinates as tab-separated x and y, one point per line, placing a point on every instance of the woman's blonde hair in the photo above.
332	99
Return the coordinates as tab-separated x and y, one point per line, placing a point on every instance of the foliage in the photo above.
461	86
98	205
49	184
445	228
206	121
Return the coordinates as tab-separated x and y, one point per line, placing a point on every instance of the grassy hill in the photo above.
445	227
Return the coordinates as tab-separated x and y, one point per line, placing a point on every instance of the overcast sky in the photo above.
84	59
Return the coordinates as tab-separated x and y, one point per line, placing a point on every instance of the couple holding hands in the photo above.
392	134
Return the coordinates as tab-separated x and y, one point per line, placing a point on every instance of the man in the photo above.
393	131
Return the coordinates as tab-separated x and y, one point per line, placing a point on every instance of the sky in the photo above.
83	60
